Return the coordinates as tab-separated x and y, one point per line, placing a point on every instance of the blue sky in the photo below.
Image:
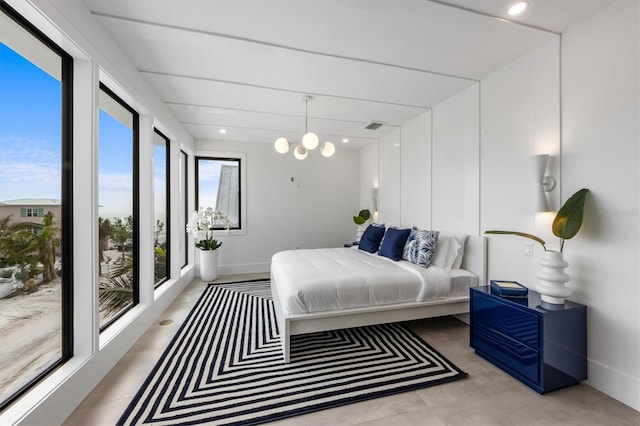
30	146
115	167
29	129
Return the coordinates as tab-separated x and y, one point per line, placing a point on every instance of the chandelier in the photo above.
309	142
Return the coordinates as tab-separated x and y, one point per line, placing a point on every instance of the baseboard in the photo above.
617	384
246	268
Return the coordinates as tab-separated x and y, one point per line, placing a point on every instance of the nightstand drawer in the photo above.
518	324
512	354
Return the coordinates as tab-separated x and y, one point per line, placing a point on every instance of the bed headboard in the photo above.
475	256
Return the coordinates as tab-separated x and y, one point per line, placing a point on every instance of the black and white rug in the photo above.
225	366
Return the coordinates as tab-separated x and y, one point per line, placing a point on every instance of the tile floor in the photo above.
487	397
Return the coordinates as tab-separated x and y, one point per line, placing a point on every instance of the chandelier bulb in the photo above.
281	145
310	140
328	149
300	152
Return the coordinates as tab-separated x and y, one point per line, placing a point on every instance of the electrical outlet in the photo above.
528	249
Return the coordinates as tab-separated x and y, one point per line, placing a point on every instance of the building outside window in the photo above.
218	186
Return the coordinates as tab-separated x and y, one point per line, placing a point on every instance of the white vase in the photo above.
208	265
552	278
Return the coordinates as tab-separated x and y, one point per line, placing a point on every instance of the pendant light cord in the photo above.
306	105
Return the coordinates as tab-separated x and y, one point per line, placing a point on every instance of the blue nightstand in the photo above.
543	347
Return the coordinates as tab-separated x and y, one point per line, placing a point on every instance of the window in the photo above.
184	197
118	203
160	208
218	186
35	243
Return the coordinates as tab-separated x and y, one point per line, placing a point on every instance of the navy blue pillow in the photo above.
370	240
393	243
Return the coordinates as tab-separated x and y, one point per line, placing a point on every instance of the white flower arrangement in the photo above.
202	224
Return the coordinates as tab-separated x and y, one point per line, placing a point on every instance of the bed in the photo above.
335	288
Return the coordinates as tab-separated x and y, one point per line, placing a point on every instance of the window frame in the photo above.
167	207
184	157
66	200
241	180
135	128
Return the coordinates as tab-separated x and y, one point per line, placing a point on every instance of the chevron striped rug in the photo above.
224	365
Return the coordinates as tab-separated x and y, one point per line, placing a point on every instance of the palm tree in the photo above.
43	242
5	234
18	247
115	294
116	291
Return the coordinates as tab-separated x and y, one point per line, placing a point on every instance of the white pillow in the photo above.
449	251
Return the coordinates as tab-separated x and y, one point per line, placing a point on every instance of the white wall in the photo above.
368	176
456	164
389	147
315	210
601	137
415	173
519	107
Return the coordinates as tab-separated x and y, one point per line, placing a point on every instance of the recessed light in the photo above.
223	131
345	140
518	8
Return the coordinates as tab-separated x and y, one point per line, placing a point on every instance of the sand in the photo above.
30	332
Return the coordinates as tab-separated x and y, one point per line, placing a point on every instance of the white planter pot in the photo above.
208	265
552	278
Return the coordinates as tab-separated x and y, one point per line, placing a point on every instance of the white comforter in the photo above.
317	280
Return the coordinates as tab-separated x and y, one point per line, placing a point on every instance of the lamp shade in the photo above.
543	183
540	167
282	145
310	140
542	203
300	152
328	149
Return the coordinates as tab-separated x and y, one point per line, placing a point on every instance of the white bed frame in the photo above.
474	260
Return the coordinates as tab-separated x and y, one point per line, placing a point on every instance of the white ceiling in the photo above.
244	65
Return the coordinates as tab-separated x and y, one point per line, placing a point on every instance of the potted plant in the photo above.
565	226
201	227
363	216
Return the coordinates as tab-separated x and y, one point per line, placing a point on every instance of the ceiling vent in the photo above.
374	125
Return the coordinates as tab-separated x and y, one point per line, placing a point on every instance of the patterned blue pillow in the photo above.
420	247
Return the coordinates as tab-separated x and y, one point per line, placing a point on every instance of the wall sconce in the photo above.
544	183
374	199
